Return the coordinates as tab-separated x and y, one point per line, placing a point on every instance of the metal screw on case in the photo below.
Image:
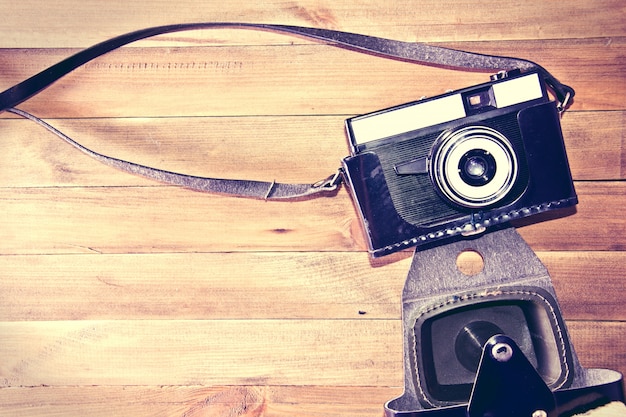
502	353
540	413
476	231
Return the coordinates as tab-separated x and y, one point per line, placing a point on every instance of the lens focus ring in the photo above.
473	167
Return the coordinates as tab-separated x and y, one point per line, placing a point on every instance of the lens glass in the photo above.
477	167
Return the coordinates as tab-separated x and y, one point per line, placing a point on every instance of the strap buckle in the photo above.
331	183
562	105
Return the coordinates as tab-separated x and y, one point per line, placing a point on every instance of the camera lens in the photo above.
473	167
477	167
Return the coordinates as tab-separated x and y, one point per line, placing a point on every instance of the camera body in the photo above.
457	163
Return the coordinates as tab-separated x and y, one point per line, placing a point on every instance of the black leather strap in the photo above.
387	48
240	188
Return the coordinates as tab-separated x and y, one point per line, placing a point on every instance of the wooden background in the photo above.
121	296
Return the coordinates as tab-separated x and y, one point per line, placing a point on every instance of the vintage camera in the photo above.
457	163
493	342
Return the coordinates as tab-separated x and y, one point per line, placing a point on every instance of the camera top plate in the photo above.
378	128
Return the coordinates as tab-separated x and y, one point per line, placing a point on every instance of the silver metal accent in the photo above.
330	183
449	107
517	90
406	118
269	190
561	106
498	76
502	352
449	150
474	232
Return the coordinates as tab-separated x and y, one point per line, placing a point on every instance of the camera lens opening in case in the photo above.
473	167
449	340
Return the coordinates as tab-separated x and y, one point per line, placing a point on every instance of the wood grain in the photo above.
426	21
247	352
289	148
215	401
123	296
290	79
98	220
318	286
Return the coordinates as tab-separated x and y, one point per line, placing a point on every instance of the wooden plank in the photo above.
584	280
277	401
290	79
429	20
596	151
288	149
248	401
599	344
270	286
234	352
201	352
74	220
270	146
589	227
149	219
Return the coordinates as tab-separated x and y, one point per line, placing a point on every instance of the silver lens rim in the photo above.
447	152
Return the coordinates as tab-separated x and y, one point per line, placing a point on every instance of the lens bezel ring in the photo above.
446	155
